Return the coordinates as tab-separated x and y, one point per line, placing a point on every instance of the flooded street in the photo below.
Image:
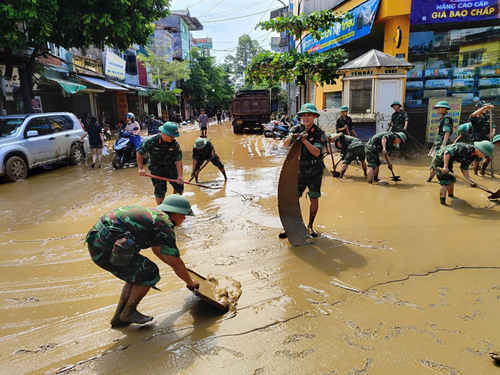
396	283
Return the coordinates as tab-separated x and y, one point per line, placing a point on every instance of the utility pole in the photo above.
287	50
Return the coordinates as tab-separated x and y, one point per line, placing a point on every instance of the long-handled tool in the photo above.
330	150
394	177
492	170
335	173
189	183
493	195
199	170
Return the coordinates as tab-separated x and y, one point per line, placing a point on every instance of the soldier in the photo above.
165	160
351	148
444	131
344	123
311	158
399	119
480	121
496	140
464	154
115	241
204	150
381	142
463	130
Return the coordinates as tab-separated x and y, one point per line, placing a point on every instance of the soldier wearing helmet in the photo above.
115	243
381	142
480	124
444	131
165	160
203	150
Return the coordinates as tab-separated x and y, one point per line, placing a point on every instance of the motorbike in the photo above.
106	133
125	151
276	129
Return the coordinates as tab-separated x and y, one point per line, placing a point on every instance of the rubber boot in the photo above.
442	201
223	171
341	174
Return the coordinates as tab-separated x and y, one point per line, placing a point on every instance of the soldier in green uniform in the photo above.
464	154
344	123
480	121
204	150
444	131
165	160
463	131
381	142
351	148
399	119
116	240
311	158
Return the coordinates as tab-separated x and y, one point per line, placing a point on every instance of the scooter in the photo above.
281	130
106	133
125	151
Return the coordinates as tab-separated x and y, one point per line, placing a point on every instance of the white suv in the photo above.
32	140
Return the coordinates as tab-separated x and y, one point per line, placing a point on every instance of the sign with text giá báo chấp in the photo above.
438	11
433	118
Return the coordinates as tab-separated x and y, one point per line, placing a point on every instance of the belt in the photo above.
105	232
308	162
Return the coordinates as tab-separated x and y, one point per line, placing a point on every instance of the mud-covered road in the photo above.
396	284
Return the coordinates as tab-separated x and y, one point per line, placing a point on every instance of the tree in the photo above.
247	49
164	69
26	26
292	66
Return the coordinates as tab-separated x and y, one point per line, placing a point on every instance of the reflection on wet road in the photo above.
395	284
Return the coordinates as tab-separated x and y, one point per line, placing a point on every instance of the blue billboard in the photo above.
439	11
351	28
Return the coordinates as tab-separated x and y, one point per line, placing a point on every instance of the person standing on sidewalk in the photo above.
218	117
203	121
96	140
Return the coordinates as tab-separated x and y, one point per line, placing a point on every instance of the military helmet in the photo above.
465	128
152	116
200	143
442	104
402	136
496	138
395	103
486	147
169	128
176	204
308	108
344	108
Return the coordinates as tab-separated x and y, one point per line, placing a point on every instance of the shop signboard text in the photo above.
438	11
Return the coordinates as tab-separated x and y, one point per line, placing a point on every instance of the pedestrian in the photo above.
134	129
462	153
480	122
203	121
463	131
351	148
381	142
165	160
344	123
399	119
311	158
218	117
223	116
96	140
153	125
115	242
203	150
86	120
102	120
444	131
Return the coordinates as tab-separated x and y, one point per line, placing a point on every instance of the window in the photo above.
361	96
10	127
40	124
131	63
333	100
61	123
472	59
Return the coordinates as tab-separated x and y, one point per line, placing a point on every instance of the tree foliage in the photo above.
236	65
292	66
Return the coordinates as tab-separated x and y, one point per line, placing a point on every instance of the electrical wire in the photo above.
231	11
235	18
262	16
211	8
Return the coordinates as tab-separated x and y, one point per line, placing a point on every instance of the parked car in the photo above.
32	140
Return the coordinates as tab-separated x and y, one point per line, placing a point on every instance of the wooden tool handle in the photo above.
465	180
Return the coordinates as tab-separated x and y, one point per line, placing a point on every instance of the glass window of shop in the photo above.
456	62
361	96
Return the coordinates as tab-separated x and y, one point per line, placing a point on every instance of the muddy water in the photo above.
395	284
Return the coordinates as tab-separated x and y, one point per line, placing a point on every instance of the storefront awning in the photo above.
140	90
102	83
68	86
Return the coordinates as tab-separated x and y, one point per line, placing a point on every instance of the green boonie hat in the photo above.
152	116
176	204
396	103
200	143
496	138
308	108
442	104
169	128
464	128
344	108
402	136
486	147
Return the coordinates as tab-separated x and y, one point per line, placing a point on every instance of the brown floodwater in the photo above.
395	284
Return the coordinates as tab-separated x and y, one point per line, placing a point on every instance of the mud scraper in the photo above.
493	195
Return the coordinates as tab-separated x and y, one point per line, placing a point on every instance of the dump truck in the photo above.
250	109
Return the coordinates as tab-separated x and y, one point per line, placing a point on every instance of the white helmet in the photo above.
130	115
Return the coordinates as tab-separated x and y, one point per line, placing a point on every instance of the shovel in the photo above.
334	172
199	170
394	177
493	195
189	183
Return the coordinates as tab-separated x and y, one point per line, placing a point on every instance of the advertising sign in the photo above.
433	118
359	24
487	82
414	85
464	73
489	70
439	11
319	5
437	83
115	66
436	72
122	105
463	82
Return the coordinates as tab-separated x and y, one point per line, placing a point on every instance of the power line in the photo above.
247	15
261	17
195	4
238	10
211	8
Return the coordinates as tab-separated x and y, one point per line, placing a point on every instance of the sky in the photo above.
215	16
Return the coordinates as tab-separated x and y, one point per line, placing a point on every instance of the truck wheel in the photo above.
76	155
237	129
15	169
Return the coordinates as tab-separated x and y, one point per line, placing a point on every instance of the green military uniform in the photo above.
146	227
205	153
461	152
351	148
398	119
341	122
480	127
162	162
374	146
445	125
311	167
